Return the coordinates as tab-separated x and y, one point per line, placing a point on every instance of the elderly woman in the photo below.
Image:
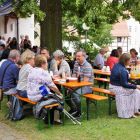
127	94
38	77
59	65
28	63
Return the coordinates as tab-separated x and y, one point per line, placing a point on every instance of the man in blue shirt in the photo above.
9	81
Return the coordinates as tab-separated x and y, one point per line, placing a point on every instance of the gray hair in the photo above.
59	54
13	54
83	52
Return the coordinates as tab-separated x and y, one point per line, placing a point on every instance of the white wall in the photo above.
134	31
116	44
11	28
26	27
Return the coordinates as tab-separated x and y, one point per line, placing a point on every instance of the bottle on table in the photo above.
78	75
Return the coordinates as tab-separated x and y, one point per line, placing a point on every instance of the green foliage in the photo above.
133	6
25	8
94	14
89	48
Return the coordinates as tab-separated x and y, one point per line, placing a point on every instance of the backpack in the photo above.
15	109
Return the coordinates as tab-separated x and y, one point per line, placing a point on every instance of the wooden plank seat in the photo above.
111	96
104	80
48	107
93	98
31	102
104	91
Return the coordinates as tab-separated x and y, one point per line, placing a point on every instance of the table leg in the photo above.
63	115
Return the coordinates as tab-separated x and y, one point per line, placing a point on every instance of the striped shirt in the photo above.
85	70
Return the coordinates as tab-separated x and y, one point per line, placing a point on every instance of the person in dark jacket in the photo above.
127	94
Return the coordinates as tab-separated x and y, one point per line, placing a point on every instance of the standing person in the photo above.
2	41
112	59
28	40
120	51
99	60
21	45
8	42
127	94
2	48
10	78
84	69
134	57
28	63
13	44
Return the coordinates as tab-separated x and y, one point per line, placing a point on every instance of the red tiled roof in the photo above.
120	29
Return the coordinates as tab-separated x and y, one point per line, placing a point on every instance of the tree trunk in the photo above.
51	27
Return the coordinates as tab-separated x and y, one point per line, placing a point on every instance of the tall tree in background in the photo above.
51	26
98	14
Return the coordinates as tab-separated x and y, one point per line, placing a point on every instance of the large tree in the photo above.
98	14
51	26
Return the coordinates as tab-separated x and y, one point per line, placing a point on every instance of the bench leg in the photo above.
105	85
88	105
110	101
49	121
96	109
0	105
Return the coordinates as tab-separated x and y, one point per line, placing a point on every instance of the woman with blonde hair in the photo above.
28	63
127	94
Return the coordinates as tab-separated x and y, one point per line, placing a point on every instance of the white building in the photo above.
126	35
11	26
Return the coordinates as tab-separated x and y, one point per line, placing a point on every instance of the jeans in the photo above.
74	101
22	93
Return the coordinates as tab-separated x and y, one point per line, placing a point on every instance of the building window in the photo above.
11	27
130	29
119	39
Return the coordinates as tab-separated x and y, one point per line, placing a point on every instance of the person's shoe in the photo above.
77	115
74	113
137	114
71	111
58	122
134	116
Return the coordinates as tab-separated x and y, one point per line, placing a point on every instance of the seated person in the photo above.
134	57
127	94
38	77
59	64
28	63
83	69
9	78
112	59
99	60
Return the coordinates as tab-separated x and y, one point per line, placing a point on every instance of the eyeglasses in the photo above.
43	53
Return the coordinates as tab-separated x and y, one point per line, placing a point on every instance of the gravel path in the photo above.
7	133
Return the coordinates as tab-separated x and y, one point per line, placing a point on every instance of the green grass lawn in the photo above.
104	127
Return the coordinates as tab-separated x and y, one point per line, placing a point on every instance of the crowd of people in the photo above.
127	94
24	70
